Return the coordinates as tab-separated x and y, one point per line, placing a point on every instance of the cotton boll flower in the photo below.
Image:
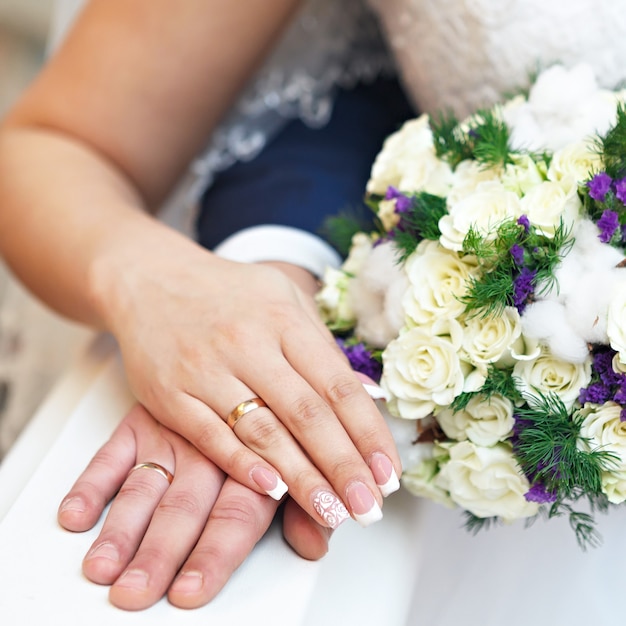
587	307
546	321
373	295
564	105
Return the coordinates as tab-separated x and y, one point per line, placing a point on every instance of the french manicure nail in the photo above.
375	392
384	474
330	508
105	550
363	504
188	582
133	579
269	482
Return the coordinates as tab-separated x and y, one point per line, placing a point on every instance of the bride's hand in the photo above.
185	538
200	335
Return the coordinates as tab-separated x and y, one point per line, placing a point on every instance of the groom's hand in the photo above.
183	539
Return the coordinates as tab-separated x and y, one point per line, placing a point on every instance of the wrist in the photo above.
305	280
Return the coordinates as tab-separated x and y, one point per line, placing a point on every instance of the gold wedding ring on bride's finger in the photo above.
241	409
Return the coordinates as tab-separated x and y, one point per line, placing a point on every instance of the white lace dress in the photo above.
462	54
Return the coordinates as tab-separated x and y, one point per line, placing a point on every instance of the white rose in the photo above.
437	279
549	203
549	374
467	176
332	299
484	421
616	322
604	429
422	369
387	214
360	248
578	161
421	480
487	481
400	151
521	175
486	340
428	173
484	211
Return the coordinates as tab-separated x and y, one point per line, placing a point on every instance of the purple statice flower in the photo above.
523	221
517	252
608	224
523	287
403	202
361	359
599	186
602	365
619	397
620	190
540	494
597	393
622	415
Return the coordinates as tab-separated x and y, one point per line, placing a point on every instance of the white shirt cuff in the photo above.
280	243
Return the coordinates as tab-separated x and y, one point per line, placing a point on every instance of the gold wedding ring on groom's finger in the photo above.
159	469
241	409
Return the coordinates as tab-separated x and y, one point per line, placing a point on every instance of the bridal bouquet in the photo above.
490	303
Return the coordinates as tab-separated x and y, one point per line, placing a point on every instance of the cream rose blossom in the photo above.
437	279
487	340
487	481
603	429
548	374
483	211
549	204
484	421
576	161
408	162
422	369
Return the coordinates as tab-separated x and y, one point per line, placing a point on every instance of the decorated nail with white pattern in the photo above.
363	504
330	508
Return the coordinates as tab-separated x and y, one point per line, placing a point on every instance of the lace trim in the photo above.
330	44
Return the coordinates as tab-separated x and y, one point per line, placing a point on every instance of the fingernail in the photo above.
269	482
133	579
74	504
105	550
376	392
363	504
330	508
188	582
384	474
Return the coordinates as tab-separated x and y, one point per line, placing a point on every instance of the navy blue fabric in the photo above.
304	175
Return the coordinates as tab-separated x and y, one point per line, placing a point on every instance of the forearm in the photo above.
70	221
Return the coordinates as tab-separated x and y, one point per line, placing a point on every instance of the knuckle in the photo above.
139	489
238	459
184	503
235	511
341	468
342	389
307	411
261	433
